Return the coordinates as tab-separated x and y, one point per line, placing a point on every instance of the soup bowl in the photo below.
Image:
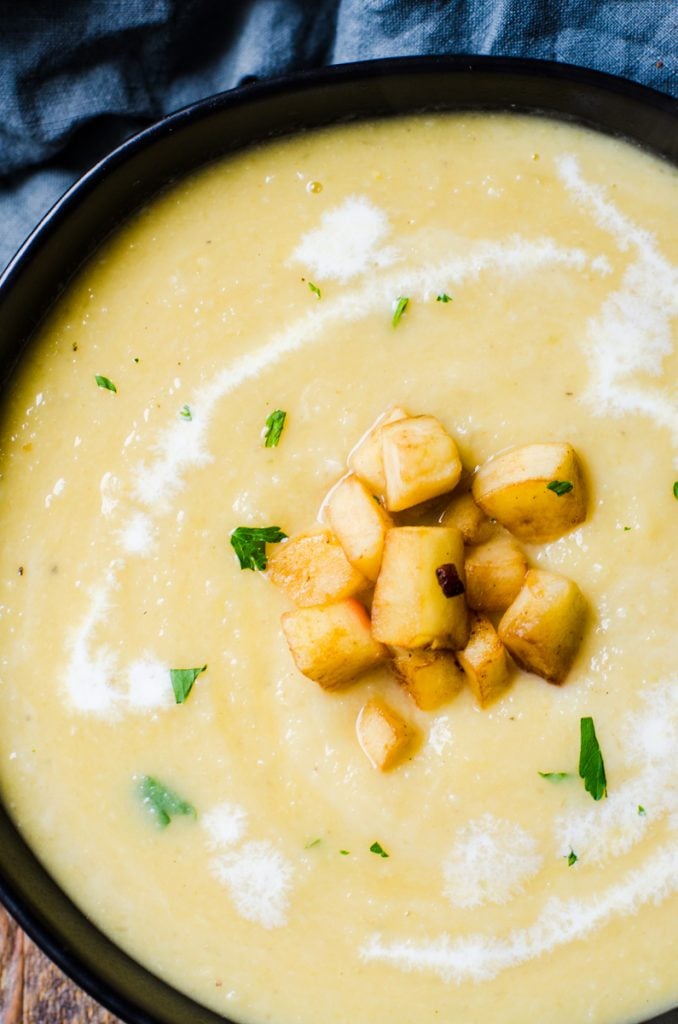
122	183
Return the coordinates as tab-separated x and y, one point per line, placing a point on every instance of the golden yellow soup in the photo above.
558	249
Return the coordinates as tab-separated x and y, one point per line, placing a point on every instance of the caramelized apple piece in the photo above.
332	644
484	661
421	461
359	522
536	491
382	733
409	607
366	459
430	677
312	569
543	627
495	571
468	517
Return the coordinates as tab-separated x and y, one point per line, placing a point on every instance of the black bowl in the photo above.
123	181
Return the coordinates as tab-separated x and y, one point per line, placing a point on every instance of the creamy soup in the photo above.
505	897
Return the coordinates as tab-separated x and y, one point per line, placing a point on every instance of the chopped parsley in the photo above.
641	810
344	853
105	383
626	529
591	767
675	489
378	849
572	858
182	681
249	544
555	776
162	803
312	843
443	297
185	412
560	487
314	288
400	307
274	428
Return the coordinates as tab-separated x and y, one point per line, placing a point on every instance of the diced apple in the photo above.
495	571
543	627
382	733
468	517
332	644
312	568
513	488
421	461
484	661
430	677
366	459
359	522
409	607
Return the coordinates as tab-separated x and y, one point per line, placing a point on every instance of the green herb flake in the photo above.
182	681
591	767
185	412
555	776
105	383
312	843
378	849
162	803
675	489
443	297
560	487
274	428
401	305
249	544
626	529
136	359
314	288
572	858
345	853
641	810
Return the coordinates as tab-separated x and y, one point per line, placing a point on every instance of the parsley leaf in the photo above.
641	810
591	767
555	776
105	383
249	544
401	306
182	681
378	849
560	487
274	428
443	297
185	412
344	853
314	288
162	803
572	858
675	489
312	843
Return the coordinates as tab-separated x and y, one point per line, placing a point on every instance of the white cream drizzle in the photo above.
489	862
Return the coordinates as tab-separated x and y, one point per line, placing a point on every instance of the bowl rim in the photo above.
57	940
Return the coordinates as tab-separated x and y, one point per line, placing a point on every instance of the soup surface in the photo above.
558	250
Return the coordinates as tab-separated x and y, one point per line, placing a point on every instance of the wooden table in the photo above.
34	991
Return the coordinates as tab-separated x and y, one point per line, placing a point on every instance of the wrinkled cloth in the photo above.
79	76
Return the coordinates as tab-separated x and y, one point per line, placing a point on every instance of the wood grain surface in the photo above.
34	991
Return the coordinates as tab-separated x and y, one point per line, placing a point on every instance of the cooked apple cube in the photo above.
536	491
382	733
468	517
332	644
495	571
543	628
366	459
484	661
410	608
421	461
312	569
359	522
430	677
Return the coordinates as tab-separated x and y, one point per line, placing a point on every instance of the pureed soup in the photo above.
477	880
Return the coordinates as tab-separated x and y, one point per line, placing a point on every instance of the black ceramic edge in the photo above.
67	944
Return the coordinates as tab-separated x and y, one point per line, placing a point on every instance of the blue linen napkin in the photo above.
77	77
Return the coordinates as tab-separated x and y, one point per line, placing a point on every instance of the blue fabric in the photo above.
78	76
